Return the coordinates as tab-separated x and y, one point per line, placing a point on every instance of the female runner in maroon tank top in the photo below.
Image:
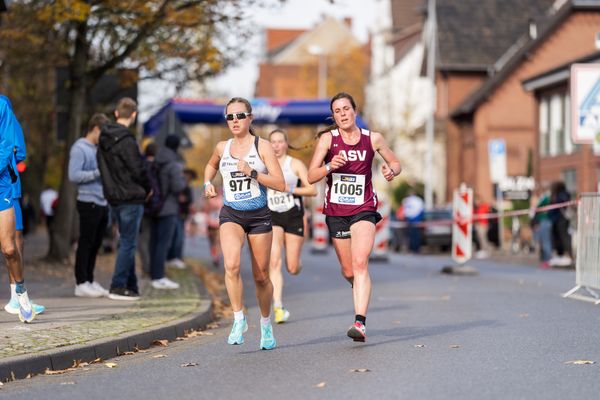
344	154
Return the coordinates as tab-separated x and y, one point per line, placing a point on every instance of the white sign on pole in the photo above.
585	102
497	156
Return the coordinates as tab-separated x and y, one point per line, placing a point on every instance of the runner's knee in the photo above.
294	267
9	250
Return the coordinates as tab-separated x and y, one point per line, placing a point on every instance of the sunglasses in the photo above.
240	115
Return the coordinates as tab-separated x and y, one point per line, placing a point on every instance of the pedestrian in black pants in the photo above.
91	205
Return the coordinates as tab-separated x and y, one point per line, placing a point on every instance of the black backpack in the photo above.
156	201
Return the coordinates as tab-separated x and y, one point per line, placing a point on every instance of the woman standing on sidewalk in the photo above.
344	155
288	219
248	166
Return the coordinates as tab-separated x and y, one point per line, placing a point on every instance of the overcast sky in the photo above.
295	14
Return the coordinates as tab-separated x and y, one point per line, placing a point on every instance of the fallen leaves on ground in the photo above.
524	315
97	361
159	356
163	342
67	383
580	362
190	364
111	365
49	371
212	325
454	346
360	370
198	333
127	353
138	350
419	346
321	385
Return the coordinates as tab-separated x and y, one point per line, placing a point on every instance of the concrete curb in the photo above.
61	358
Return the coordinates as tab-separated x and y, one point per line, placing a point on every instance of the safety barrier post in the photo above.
462	231
382	230
320	240
587	267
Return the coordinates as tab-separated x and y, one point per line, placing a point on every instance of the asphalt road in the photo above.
505	334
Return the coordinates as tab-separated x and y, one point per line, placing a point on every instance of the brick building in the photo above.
532	119
291	61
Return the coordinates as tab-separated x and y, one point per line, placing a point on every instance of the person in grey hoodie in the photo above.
91	206
172	182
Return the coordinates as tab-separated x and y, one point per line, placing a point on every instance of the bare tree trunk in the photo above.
61	235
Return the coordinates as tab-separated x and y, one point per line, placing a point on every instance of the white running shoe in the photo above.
87	290
164	283
98	287
26	311
176	263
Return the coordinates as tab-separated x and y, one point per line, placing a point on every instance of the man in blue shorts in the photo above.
12	306
9	131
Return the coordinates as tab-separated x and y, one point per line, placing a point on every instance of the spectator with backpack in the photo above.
126	188
185	199
149	207
168	170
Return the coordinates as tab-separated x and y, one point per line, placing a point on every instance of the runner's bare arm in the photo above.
300	170
211	169
274	178
392	166
316	169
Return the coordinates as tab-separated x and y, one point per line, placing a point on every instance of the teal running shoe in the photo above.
267	340
236	336
12	307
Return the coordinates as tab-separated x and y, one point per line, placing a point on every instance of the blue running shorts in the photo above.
18	214
6	198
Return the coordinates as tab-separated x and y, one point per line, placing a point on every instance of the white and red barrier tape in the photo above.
478	217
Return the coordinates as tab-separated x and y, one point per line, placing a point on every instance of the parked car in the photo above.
437	233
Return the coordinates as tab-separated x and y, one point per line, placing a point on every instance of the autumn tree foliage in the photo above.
180	40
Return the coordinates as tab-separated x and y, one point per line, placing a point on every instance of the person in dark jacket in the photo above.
126	187
561	237
185	199
164	224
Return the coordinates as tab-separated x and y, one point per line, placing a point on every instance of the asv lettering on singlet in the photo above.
348	189
354	155
238	187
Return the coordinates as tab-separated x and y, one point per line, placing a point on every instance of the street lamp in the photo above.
318	51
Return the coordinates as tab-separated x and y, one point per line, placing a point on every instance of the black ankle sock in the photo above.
362	319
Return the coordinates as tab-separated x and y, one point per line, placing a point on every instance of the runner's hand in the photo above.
387	172
244	167
337	161
209	191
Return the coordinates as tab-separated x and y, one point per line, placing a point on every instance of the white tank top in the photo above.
282	201
241	192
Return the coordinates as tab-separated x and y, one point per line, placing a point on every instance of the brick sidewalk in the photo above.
75	328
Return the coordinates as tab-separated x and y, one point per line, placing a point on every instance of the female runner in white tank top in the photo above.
288	219
248	166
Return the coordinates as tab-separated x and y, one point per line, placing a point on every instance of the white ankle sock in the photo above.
265	321
277	304
13	291
238	315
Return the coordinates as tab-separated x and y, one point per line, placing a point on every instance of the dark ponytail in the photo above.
248	106
340	95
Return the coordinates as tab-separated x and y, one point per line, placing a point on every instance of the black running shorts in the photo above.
252	221
339	227
291	221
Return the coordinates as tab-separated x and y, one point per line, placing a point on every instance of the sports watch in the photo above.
253	174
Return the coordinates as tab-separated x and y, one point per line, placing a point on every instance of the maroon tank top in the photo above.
349	188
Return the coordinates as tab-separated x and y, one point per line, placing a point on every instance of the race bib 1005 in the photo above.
348	189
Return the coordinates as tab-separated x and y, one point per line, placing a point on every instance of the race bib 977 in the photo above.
237	187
